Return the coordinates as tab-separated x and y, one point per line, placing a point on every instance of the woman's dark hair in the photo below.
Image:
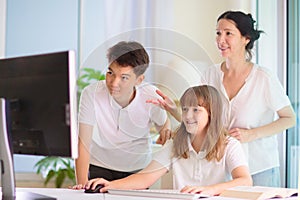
129	54
245	24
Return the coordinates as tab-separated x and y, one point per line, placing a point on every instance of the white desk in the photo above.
68	194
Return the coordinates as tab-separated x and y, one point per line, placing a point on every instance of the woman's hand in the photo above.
243	135
166	103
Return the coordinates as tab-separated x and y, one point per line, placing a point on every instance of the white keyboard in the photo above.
172	194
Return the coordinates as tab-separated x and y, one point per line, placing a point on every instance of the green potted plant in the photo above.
88	76
58	168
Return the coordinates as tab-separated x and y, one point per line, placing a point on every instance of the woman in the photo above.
203	158
253	97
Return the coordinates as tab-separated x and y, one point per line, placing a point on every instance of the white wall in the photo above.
33	27
2	27
193	42
197	19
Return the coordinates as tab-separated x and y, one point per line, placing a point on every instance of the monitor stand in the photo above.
32	196
28	196
6	164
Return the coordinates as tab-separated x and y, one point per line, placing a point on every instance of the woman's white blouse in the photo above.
255	105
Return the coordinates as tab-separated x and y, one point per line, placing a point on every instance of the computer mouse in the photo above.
96	190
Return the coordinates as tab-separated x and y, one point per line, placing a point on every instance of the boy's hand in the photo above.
96	181
77	187
164	135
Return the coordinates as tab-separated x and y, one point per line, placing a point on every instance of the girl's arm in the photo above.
240	177
141	180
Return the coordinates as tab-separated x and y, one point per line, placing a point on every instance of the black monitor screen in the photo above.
41	93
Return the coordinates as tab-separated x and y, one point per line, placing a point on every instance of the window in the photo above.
2	27
271	53
293	61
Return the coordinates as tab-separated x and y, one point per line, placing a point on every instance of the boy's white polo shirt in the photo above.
122	140
196	170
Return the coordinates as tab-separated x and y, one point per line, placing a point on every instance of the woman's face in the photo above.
195	119
229	40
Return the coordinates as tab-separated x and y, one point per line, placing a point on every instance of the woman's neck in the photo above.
236	64
231	66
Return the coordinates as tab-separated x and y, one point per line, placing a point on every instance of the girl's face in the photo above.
195	119
229	40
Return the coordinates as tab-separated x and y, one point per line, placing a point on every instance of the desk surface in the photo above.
67	194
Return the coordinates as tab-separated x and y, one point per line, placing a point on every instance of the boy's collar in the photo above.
116	105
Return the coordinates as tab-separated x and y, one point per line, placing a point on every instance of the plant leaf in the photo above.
50	174
60	178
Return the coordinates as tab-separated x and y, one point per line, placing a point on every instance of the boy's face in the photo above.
121	81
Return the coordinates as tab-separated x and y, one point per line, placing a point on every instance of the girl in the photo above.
203	158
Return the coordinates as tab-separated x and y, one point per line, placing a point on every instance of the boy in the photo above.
117	108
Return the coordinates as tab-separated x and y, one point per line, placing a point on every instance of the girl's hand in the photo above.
207	190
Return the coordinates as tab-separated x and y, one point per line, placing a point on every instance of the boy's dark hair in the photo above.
129	54
245	24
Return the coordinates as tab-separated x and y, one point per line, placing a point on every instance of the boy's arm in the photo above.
165	132
83	160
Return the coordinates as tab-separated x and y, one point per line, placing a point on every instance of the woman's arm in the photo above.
287	119
168	104
240	176
141	180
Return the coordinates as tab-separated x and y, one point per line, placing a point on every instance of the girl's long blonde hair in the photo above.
215	140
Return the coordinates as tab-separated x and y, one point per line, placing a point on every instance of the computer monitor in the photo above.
38	109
